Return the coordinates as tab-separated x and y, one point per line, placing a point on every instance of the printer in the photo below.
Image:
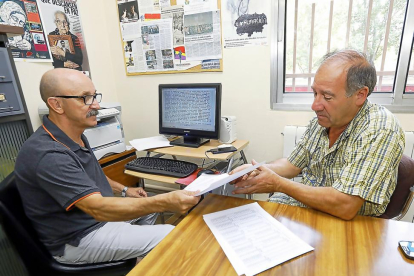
108	135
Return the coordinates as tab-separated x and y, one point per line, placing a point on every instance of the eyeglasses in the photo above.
64	22
17	21
87	99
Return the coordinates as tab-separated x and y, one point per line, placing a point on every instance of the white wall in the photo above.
245	80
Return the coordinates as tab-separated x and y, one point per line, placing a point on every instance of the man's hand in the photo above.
136	192
70	64
238	169
181	201
56	51
261	180
246	176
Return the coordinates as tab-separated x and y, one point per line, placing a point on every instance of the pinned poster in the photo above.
30	46
63	28
170	36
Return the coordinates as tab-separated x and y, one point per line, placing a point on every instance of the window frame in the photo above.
395	101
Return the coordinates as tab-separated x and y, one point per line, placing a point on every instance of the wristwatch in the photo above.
123	193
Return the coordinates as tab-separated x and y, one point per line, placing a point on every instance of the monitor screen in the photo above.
190	110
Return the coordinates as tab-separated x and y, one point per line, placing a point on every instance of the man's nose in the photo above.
95	104
317	105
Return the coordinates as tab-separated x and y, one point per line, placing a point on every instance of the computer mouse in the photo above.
206	171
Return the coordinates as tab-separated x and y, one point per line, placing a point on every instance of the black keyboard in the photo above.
162	166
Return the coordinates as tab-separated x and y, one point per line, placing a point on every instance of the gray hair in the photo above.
360	73
64	14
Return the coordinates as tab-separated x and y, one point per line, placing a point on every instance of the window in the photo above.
305	30
409	87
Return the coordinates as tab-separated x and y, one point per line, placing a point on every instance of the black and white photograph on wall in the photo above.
152	65
24	14
128	46
168	64
64	45
129	60
198	24
38	38
30	7
178	28
128	11
65	20
36	27
153	29
150	55
167	54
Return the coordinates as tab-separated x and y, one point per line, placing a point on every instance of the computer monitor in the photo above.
192	111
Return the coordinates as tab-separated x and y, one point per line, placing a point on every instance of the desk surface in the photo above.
192	153
200	151
363	246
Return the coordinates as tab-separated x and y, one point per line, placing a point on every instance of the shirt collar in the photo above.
364	109
345	134
60	135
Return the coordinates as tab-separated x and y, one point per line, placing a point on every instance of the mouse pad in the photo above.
187	180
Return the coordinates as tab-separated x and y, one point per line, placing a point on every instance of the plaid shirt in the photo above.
362	162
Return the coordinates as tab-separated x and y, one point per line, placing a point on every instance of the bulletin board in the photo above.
161	37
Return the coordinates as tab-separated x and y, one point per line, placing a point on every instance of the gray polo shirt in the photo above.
51	178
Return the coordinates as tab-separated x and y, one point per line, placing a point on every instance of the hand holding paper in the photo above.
207	182
262	180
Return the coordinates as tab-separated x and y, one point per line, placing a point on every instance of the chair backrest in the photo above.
18	227
35	256
402	197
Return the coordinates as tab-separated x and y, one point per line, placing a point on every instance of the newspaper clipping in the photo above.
177	14
202	35
159	37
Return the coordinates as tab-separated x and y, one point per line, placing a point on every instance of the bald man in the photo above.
66	195
348	155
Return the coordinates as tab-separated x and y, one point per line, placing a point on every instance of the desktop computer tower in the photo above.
228	131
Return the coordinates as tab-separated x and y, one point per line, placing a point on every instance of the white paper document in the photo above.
253	240
150	143
208	182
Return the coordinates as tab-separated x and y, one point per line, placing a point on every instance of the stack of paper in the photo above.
253	240
150	143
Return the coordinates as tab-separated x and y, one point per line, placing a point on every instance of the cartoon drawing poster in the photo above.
245	22
32	45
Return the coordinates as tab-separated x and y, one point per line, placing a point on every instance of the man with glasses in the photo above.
61	58
349	153
65	193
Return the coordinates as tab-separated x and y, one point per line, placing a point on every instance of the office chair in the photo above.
35	256
403	197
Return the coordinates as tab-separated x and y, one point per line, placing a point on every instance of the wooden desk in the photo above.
192	153
363	246
113	166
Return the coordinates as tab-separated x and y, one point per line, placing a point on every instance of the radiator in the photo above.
293	134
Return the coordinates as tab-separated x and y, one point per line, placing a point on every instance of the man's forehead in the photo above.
332	71
88	92
77	83
59	16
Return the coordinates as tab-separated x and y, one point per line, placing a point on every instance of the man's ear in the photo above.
55	105
361	95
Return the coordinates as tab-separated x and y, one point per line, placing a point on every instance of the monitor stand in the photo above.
192	142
